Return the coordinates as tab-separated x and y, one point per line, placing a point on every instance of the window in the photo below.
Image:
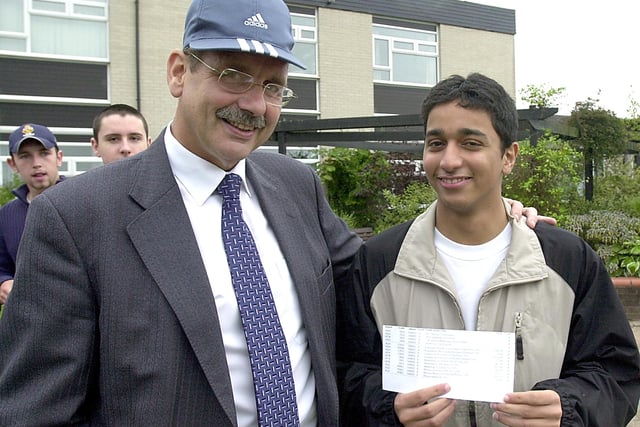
304	34
405	55
63	28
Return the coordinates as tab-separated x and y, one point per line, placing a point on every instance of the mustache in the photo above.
234	114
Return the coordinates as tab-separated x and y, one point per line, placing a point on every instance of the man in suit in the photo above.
124	309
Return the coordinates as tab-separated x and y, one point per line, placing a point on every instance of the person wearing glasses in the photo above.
194	283
124	308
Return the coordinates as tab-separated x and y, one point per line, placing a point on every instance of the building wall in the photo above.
122	53
345	65
160	30
464	50
472	38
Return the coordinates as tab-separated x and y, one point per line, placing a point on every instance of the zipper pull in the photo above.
519	345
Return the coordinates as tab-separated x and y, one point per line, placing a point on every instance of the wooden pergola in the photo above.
402	133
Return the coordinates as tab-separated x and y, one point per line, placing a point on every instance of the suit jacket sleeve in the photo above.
27	391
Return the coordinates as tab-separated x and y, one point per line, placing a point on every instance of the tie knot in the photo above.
229	187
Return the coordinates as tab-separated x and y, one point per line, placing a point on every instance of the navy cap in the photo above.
255	26
40	133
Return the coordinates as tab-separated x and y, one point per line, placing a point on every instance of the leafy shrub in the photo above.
625	259
546	176
612	235
618	188
354	181
403	207
5	190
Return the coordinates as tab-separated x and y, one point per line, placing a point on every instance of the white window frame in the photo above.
298	36
26	34
415	50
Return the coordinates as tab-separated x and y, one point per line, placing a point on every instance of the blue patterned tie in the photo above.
270	365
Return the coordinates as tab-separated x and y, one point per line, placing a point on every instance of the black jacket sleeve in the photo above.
363	402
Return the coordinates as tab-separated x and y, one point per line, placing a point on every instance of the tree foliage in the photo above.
600	131
600	135
541	96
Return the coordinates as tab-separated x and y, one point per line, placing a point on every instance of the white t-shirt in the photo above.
471	267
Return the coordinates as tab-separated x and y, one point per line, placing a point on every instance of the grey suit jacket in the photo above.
112	321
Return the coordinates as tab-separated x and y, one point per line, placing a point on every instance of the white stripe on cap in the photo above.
258	46
244	45
272	50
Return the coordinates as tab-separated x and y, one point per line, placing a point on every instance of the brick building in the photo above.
62	61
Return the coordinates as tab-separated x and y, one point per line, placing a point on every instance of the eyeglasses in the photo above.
238	82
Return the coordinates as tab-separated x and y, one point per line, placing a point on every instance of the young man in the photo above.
466	263
35	156
119	131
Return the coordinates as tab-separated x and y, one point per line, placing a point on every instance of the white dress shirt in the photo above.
198	180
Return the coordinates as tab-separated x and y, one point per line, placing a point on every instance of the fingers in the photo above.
5	290
423	407
531	408
548	219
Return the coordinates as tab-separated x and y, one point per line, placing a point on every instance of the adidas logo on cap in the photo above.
256	21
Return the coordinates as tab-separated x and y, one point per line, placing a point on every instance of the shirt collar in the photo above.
199	177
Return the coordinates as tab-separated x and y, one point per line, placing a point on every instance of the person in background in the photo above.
35	156
196	280
119	131
465	263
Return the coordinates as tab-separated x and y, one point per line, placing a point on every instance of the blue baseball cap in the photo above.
40	133
255	26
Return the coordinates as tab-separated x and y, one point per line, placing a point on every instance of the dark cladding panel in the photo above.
306	94
26	77
451	12
398	99
51	115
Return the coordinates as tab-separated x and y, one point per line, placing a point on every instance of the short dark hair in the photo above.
121	109
477	92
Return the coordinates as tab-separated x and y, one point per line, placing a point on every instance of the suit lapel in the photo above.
164	238
288	225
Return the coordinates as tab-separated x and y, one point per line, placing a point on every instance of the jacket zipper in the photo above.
519	345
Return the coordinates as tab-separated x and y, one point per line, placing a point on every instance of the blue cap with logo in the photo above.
40	133
254	26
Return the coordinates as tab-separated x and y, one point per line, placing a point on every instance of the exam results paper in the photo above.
478	365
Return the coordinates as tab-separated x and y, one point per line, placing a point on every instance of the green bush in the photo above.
617	188
403	207
5	190
546	176
625	259
354	181
613	235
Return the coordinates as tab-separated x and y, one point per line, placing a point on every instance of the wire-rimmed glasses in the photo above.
238	82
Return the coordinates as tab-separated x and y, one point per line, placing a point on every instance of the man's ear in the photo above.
176	71
12	164
509	158
94	145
